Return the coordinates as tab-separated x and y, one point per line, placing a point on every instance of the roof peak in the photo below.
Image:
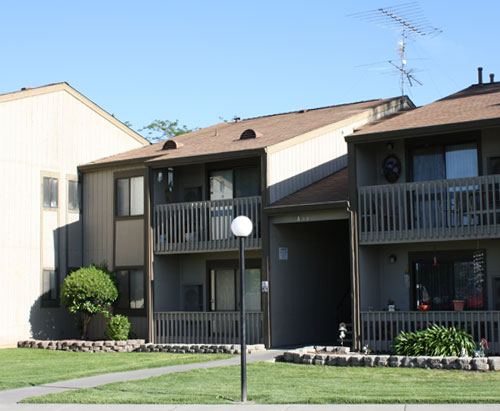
319	108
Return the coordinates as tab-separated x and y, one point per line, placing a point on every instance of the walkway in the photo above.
9	398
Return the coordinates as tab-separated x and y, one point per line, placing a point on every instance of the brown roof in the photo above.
333	188
224	137
475	103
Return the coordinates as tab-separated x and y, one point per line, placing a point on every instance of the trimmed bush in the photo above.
118	328
434	341
87	292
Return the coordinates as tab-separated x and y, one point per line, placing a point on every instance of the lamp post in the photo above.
241	228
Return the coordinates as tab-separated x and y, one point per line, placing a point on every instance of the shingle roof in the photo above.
475	103
330	189
224	137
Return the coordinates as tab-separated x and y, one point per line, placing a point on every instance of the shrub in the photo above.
118	328
436	341
89	291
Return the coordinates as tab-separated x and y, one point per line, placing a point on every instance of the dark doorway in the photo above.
310	282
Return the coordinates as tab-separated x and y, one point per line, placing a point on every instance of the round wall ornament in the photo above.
391	168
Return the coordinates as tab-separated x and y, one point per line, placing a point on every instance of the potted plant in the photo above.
458	305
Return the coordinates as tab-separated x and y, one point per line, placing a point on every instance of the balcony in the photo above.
206	327
379	328
455	209
204	225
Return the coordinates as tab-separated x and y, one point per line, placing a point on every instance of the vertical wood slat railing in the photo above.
206	327
204	225
430	210
379	328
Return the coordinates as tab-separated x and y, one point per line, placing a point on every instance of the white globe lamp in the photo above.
241	226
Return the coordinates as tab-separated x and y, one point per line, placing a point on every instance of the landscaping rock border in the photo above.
327	356
135	346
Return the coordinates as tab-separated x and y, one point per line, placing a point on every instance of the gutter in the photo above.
423	131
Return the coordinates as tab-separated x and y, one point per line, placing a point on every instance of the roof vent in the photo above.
171	145
26	88
492	77
249	133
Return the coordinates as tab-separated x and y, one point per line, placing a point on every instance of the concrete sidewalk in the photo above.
9	399
241	407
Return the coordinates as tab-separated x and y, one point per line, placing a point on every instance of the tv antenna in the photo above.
409	20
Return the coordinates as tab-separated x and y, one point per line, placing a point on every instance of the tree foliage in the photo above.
118	327
87	292
162	129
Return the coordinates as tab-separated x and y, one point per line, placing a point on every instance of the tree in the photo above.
87	292
162	129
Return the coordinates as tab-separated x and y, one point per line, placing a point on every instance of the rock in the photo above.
463	363
331	360
395	360
357	361
435	363
450	363
369	360
480	364
382	360
494	363
343	360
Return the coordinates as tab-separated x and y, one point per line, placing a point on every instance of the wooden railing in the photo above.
206	327
204	225
430	210
378	329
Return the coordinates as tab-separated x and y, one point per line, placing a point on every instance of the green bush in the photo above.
87	292
118	328
435	341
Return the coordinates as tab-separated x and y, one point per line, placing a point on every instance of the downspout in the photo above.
355	303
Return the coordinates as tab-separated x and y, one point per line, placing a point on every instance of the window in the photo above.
440	278
130	196
445	162
225	289
49	287
237	183
50	192
130	289
73	195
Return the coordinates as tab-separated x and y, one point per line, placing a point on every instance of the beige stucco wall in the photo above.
42	134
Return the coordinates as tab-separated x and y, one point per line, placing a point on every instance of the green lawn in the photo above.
282	383
20	367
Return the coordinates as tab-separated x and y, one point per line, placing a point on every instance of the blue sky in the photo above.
199	61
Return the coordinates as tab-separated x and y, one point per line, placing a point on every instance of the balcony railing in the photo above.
464	208
378	329
204	225
206	327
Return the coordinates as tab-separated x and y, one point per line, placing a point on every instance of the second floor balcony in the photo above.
439	210
204	225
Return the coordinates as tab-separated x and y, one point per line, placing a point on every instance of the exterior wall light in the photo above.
393	258
241	227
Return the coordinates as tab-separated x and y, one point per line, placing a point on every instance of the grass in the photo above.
22	367
282	383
